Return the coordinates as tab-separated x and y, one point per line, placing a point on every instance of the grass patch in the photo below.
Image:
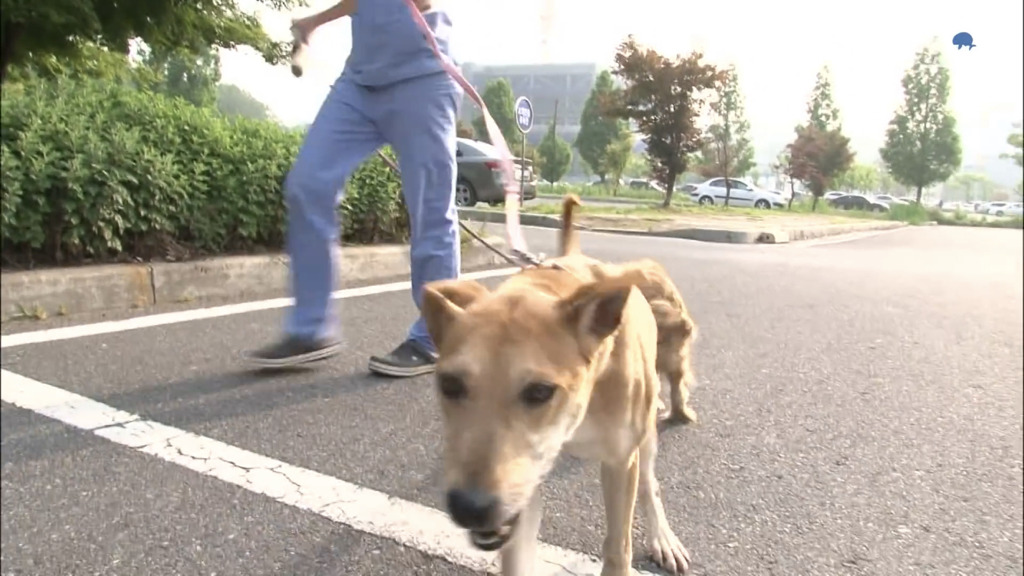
916	215
599	191
960	218
913	214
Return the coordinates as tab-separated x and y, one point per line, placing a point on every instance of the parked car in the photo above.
832	195
996	208
890	200
741	193
480	178
1004	209
799	196
644	184
858	202
608	183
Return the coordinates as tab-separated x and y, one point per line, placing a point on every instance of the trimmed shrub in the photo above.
99	170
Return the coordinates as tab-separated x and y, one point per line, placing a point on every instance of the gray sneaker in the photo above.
292	351
409	359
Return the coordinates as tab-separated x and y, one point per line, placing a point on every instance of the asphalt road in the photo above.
861	402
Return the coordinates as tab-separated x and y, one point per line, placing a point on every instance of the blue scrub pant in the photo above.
417	118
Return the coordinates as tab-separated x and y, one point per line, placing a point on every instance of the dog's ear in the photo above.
595	309
444	301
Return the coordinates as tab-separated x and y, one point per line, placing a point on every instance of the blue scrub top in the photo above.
388	47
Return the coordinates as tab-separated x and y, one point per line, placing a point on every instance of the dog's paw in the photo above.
663	412
669	553
685	414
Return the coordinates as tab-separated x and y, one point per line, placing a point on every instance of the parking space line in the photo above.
366	510
152	320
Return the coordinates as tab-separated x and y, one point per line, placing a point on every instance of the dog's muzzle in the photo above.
492	540
480	513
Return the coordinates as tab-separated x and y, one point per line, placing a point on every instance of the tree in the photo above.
1016	141
617	155
501	104
637	166
970	186
922	146
37	29
859	177
666	97
233	101
555	154
822	112
727	151
782	167
192	75
886	183
599	130
93	61
816	157
464	129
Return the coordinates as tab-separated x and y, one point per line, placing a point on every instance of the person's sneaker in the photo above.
292	351
409	359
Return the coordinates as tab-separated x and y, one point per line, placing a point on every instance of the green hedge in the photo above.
100	171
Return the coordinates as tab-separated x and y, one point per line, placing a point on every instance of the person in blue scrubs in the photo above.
393	90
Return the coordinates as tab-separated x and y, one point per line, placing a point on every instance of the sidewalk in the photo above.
62	291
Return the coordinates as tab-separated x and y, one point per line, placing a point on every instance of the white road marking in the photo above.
150	321
407	523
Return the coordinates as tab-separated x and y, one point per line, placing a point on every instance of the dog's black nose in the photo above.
473	509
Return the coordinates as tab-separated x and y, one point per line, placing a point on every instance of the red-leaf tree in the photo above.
817	156
665	98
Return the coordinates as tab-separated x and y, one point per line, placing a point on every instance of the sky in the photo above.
777	48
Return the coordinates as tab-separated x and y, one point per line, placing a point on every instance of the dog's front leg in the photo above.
662	543
619	485
519	557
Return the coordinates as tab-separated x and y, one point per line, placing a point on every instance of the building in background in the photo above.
543	84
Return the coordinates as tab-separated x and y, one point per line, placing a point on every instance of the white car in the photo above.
1003	209
833	195
890	199
741	193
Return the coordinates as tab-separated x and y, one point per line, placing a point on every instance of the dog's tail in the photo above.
570	242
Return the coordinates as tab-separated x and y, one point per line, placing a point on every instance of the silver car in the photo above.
480	178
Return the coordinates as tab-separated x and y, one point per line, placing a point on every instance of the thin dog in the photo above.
676	329
550	361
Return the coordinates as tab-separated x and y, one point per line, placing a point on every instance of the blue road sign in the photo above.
524	114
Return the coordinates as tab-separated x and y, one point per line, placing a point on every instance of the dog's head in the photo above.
514	377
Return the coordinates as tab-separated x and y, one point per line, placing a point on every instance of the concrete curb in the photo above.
63	291
526	219
780	235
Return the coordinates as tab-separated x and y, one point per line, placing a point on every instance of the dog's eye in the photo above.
451	387
537	393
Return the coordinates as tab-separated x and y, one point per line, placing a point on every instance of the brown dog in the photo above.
676	332
549	361
676	329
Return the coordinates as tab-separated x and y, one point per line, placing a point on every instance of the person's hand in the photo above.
302	28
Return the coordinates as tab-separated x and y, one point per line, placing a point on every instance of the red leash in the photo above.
516	242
